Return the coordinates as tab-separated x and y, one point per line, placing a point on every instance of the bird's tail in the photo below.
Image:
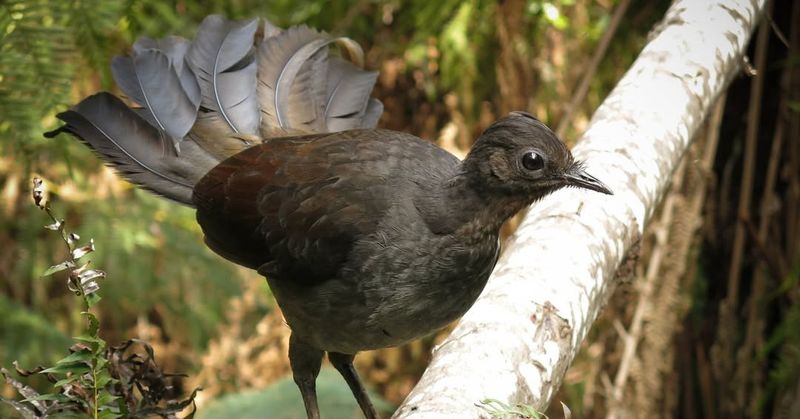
204	100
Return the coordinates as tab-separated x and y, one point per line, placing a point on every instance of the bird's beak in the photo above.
579	178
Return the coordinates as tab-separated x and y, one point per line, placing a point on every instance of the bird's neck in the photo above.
471	210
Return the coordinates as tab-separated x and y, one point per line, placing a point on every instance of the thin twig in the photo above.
729	379
634	334
343	24
792	219
777	31
748	169
80	279
754	320
768	253
631	338
705	383
588	76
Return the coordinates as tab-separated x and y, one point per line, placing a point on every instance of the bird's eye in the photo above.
532	161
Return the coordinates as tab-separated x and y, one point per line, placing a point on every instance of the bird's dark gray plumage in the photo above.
371	238
222	58
368	238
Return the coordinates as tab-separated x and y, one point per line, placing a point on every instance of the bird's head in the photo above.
520	156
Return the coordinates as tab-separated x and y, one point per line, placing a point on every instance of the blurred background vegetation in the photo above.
672	342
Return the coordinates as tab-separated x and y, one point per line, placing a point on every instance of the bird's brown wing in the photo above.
294	207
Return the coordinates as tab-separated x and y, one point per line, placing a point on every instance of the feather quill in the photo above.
221	58
373	113
136	149
296	84
277	70
149	79
176	48
348	95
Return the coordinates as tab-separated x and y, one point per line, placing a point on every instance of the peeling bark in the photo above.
558	270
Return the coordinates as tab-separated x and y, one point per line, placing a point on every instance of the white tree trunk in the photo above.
517	341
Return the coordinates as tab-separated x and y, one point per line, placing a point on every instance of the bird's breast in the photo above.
402	288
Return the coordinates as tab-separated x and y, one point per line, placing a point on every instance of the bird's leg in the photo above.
344	364
306	361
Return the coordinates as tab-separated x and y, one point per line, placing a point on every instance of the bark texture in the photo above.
559	268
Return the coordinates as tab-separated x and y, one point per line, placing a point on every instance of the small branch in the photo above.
777	31
792	152
748	169
591	69
80	280
634	335
706	383
723	348
666	244
352	13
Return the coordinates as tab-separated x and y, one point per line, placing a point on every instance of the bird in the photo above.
368	238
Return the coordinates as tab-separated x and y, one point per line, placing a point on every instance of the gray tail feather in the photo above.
135	148
302	89
205	100
157	78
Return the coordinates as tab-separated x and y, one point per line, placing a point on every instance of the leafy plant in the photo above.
95	379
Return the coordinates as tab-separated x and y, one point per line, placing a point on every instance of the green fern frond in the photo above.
93	26
35	73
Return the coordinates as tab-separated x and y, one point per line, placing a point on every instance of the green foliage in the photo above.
86	20
35	75
51	54
464	42
783	344
158	255
282	401
27	335
93	380
452	45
